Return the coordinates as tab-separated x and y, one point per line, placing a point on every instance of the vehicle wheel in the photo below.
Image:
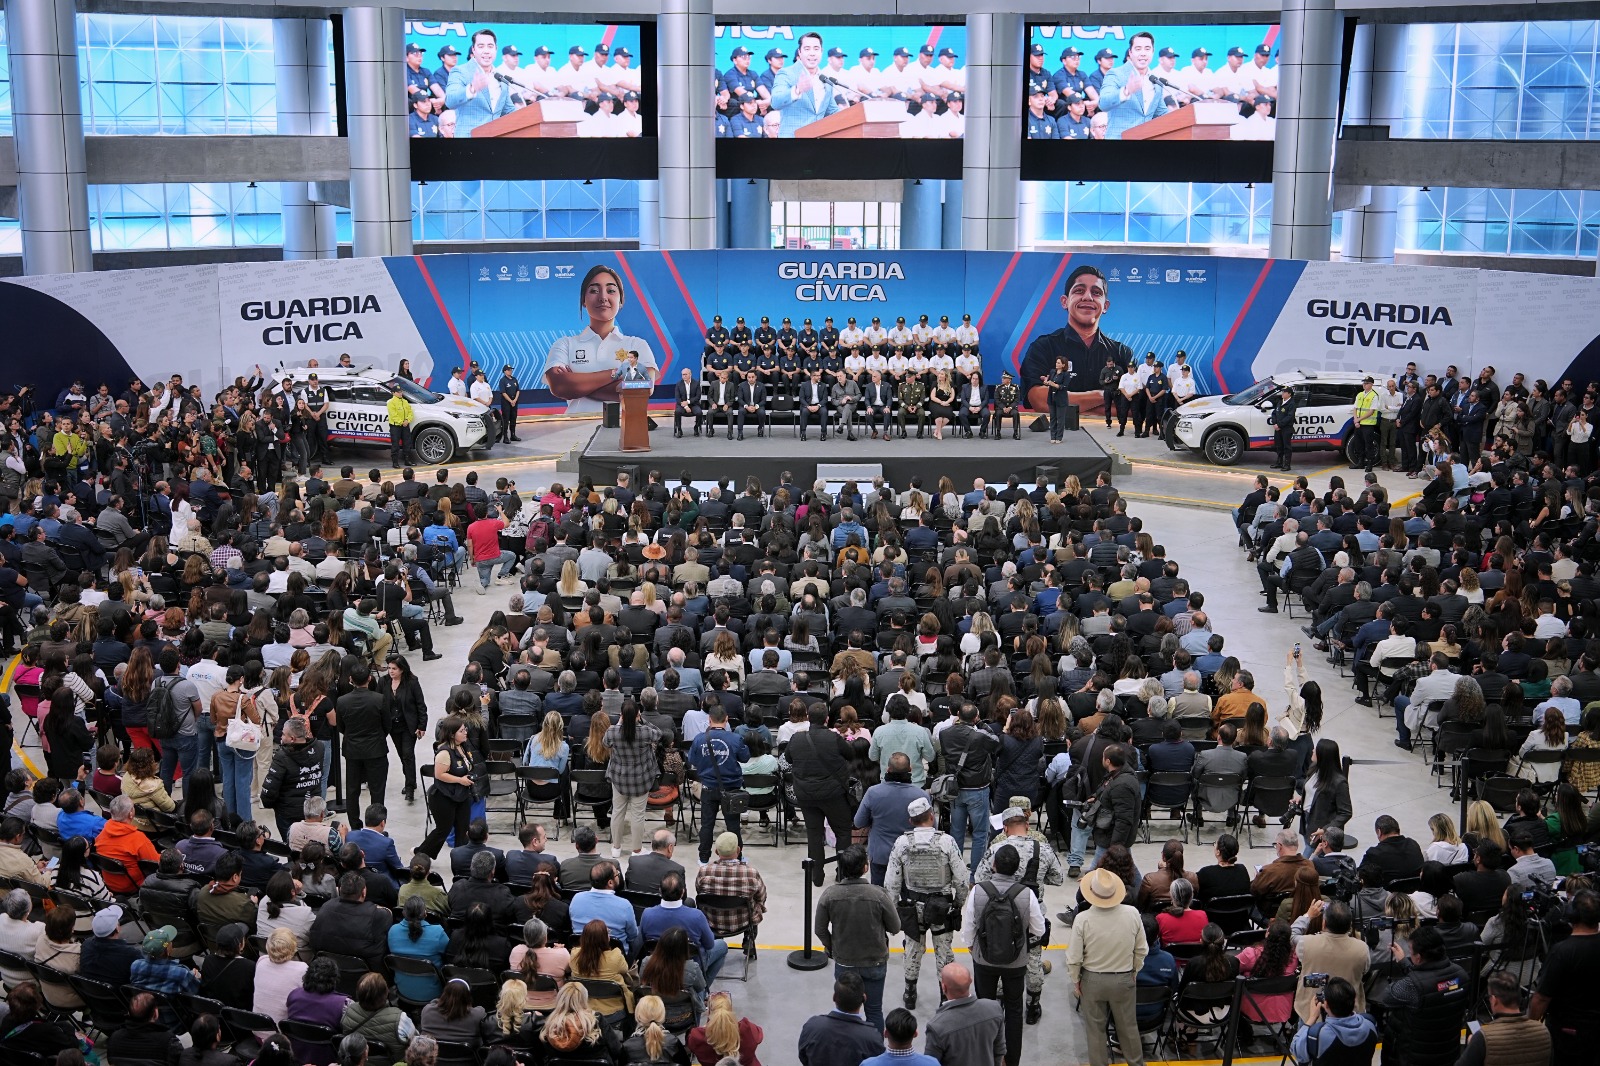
1169	434
1346	446
1225	447
434	445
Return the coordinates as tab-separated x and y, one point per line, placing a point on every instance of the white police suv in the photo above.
1225	427
359	412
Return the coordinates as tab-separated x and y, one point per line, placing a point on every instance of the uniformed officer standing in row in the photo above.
1039	866
1281	418
507	393
927	878
1007	399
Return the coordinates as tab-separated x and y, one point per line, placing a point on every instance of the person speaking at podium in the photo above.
1128	95
474	93
799	94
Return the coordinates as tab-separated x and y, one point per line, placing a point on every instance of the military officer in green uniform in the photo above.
914	404
1006	398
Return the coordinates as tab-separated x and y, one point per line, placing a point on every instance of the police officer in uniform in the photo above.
507	392
721	359
317	399
1110	374
927	878
1040	866
745	122
1006	399
744	361
1281	419
1068	81
829	335
418	81
741	332
913	404
1041	127
717	335
851	336
790	373
787	337
765	335
1157	395
807	338
767	372
739	83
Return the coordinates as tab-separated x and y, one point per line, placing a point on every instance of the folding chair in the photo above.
745	931
540	786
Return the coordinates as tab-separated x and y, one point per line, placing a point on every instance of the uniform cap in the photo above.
1104	53
542	51
1259	100
1070	52
739	319
947	53
1038	86
955	97
604	98
1168	53
944	318
109	920
901	320
787	322
510	50
716	318
630	97
966	318
918	807
415	50
1074	98
775	53
876	320
1010	814
903	52
1236	51
927	98
448	50
836	53
1198	52
623	52
576	50
851	320
1036	50
742	51
765	320
806	322
503	369
1263	50
867	52
925	50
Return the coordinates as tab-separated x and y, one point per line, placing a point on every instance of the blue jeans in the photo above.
873	978
175	752
1080	840
205	742
1400	729
237	773
327	764
971	805
715	958
507	563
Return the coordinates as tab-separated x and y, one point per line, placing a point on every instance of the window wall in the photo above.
465	211
843	224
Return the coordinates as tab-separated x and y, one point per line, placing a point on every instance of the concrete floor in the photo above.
1183	502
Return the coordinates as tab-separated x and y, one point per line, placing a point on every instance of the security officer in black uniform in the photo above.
767	371
791	371
743	362
1007	397
720	360
717	335
741	332
1110	374
1281	418
831	363
829	334
787	337
807	338
765	335
418	81
1157	395
507	392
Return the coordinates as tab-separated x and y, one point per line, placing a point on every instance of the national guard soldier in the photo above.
1039	866
852	334
922	333
686	401
787	337
913	403
767	372
896	366
739	83
927	878
765	335
900	334
721	400
967	333
877	399
1041	127
1281	418
877	362
790	373
717	335
807	338
845	395
1006	399
876	334
829	334
752	404
741	332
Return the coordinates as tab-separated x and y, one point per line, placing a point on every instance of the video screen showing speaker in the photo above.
495	94
1149	103
791	101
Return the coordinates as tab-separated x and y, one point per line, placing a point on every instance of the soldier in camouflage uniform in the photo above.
913	402
1040	866
1006	398
927	878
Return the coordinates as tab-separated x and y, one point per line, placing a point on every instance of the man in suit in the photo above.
878	398
473	92
973	402
1127	95
720	401
752	405
686	402
814	399
798	94
846	396
647	868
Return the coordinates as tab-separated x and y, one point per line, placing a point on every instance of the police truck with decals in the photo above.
442	424
1225	427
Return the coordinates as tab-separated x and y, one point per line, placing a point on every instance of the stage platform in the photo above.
710	458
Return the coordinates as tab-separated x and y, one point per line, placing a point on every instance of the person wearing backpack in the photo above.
174	718
1001	915
1104	956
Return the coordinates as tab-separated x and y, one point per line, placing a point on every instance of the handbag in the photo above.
946	787
243	736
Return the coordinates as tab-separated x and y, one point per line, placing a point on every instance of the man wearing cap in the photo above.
574	79
106	956
1039	866
899	79
944	334
1068	79
926	124
1167	64
507	392
595	68
764	335
899	333
1086	299
400	418
740	334
865	77
1105	952
541	78
1263	79
967	333
1104	60
775	57
157	972
318	399
1260	125
603	122
798	93
875	334
1364	420
1196	78
1233	82
1127	95
418	81
473	92
1041	127
1035	72
829	334
1005	403
926	876
439	80
510	65
717	335
1074	124
738	82
947	79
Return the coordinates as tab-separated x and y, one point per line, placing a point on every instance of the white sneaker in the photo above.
483	590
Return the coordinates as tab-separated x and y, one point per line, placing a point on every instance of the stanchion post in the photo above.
807	959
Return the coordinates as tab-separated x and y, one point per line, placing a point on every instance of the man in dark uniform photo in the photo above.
1110	374
507	394
765	335
717	335
1080	342
1281	419
913	404
741	332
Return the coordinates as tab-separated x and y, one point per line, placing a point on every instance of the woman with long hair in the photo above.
138	678
65	735
450	798
1550	736
416	937
1483	824
573	1028
1446	846
633	770
1273	957
670	972
597	960
540	962
543	901
724	1034
238	764
651	1042
200	794
141	783
1212	965
1324	793
548	747
1511	942
1307	890
406	711
282	906
477	943
74	874
1568	823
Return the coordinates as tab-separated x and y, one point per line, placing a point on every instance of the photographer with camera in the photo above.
1330	951
1336	1024
1564	999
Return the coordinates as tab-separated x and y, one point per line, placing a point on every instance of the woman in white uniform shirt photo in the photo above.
580	368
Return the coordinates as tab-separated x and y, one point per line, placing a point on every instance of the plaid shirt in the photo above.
163	975
633	768
731	877
222	553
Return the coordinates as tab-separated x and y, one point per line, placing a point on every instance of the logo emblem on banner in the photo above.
542	273
1174	276
505	273
1116	275
483	273
1196	277
1133	274
522	273
566	271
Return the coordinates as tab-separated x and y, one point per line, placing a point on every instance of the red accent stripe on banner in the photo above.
1216	363
672	268
1272	37
607	37
933	36
1027	331
655	326
422	267
1016	257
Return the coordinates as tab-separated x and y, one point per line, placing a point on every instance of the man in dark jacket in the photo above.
854	921
363	727
968	752
821	761
143	1038
106	956
1119	798
349	925
480	887
1398	856
841	1037
295	773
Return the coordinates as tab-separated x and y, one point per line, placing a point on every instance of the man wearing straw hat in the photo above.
1104	956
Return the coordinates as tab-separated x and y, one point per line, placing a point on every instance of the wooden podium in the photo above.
636	416
868	118
542	118
1205	120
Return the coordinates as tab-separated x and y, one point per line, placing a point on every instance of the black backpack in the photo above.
1002	932
162	721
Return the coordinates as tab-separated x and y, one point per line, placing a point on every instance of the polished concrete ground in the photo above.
1183	502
